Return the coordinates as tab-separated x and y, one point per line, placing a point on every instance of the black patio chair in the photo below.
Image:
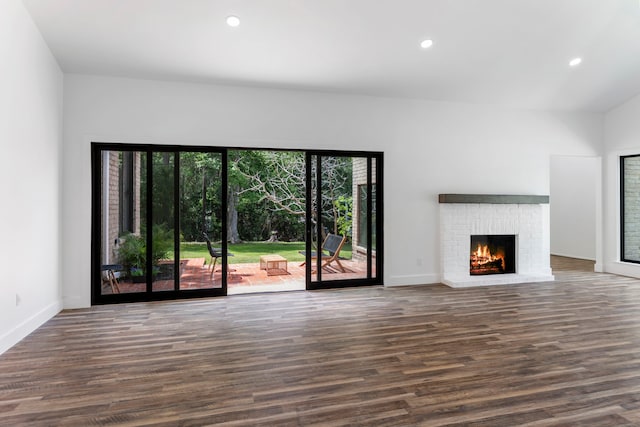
215	254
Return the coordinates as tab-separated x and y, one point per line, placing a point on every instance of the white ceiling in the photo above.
513	53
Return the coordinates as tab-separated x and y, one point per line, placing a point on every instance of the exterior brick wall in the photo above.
137	172
114	203
359	168
113	163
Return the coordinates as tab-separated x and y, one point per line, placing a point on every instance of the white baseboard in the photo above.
573	256
623	269
419	279
71	303
15	335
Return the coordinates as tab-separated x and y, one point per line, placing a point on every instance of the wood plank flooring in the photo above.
565	353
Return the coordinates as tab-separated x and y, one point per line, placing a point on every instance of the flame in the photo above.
482	255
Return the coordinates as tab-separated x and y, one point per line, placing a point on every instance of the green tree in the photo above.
279	178
200	190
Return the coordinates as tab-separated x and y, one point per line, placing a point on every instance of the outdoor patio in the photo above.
243	278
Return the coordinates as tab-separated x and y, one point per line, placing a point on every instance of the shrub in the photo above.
133	249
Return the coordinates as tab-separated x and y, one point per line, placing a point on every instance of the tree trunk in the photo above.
204	202
232	215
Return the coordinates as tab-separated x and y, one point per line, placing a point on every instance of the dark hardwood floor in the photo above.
564	353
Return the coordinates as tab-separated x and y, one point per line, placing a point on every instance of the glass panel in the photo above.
341	179
200	219
361	236
316	238
265	229
363	217
373	219
123	237
163	217
631	208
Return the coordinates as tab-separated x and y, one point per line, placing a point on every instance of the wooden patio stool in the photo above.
274	264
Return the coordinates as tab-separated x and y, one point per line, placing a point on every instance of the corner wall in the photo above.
622	137
31	135
430	148
575	200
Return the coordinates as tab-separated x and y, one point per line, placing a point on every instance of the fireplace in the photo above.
492	254
523	218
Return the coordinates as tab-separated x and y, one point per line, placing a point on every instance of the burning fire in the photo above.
483	256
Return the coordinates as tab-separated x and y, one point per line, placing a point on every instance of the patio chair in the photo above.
109	277
332	245
215	254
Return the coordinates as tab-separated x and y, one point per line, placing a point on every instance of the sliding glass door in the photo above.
162	259
202	215
343	219
165	216
153	209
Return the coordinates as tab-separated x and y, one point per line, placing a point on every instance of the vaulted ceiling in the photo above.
512	53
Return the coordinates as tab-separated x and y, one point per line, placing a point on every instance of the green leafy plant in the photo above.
133	250
343	207
136	272
132	253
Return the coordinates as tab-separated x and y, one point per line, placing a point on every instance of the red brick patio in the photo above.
243	278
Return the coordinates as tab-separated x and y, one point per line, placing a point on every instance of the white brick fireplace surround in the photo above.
525	216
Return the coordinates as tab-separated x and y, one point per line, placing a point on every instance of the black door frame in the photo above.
320	283
97	148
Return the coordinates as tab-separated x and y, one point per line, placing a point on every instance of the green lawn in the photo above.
249	252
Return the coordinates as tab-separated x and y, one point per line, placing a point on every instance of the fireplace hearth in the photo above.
492	254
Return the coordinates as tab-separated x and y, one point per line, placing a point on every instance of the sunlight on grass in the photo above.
250	252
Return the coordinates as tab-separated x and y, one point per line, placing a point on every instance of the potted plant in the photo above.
137	275
133	252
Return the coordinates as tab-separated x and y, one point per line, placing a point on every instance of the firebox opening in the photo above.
492	254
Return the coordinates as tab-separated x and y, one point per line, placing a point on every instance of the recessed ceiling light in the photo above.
233	21
426	44
575	62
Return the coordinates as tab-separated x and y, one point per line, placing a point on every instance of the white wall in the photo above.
574	203
31	138
430	148
622	137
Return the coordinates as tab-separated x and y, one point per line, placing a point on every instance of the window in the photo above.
630	208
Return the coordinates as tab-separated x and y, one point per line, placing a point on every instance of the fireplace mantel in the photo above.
494	199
